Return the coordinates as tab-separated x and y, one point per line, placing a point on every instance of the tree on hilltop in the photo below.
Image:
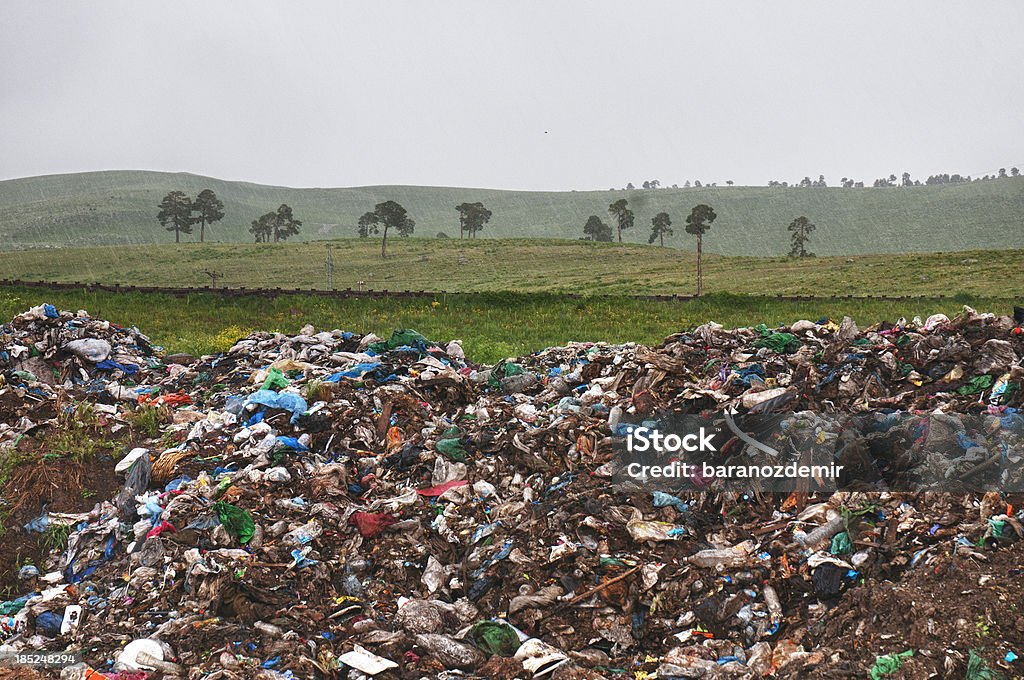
285	224
210	209
698	222
262	228
801	229
622	214
472	218
176	214
661	224
596	230
275	226
387	215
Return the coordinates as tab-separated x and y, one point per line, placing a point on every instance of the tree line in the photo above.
698	222
391	215
904	180
179	213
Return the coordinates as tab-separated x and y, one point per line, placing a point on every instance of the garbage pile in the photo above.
331	504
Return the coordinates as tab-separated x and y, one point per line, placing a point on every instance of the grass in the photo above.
77	435
119	207
492	325
55	538
524	266
317	390
148	419
10	459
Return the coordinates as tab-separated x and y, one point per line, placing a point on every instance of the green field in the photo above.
492	325
119	208
524	266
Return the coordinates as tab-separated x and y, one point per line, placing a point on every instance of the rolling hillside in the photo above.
119	208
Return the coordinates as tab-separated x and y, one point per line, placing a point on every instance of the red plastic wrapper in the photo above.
441	488
370	524
163	527
176	399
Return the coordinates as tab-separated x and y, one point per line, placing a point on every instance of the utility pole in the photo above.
213	276
329	264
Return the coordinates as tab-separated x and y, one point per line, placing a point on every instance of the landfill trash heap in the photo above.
331	504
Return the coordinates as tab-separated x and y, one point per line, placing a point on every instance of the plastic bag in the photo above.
286	401
494	637
236	521
275	380
90	349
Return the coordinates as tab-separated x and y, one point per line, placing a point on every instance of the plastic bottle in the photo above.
449	651
823	533
614	416
304	534
771	598
518	383
736	556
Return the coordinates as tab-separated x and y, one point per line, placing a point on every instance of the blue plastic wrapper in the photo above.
662	499
109	365
292	443
282	400
354	373
48	624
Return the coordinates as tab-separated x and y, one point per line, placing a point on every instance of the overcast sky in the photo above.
522	94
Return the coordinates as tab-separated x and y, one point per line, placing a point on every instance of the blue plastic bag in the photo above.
286	401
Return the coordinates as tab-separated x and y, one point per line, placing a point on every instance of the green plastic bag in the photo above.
451	448
402	337
841	544
781	343
275	381
976	385
889	664
504	369
237	521
977	669
495	638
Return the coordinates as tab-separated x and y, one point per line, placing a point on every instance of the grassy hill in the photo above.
538	266
119	208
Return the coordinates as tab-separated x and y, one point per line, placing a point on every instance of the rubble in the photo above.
336	505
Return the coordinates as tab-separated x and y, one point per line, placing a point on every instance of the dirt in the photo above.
942	611
43	478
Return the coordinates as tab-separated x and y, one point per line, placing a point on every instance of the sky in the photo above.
517	94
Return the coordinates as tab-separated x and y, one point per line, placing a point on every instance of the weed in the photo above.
227	337
78	434
55	538
147	419
5	514
981	627
318	390
10	458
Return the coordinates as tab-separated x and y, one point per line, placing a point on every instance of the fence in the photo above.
350	293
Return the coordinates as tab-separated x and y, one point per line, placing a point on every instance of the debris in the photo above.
326	501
